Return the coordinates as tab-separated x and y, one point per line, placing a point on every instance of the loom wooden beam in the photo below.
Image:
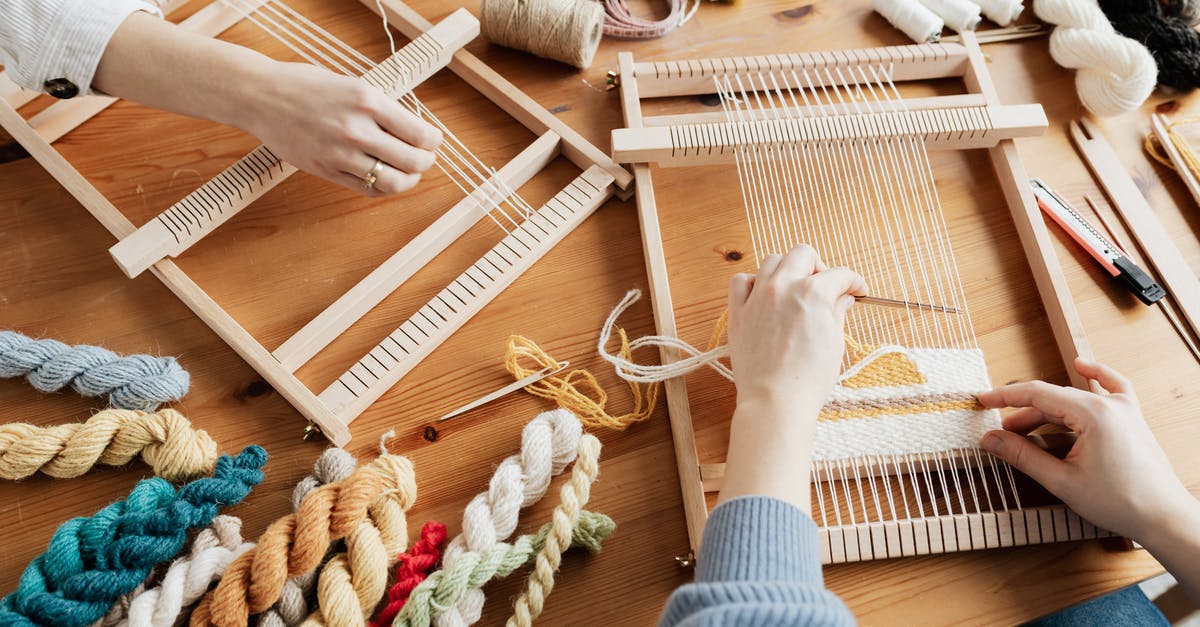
934	102
906	63
13	94
397	354
942	129
199	213
507	96
398	268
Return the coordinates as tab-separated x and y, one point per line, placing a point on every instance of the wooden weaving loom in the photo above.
528	232
829	152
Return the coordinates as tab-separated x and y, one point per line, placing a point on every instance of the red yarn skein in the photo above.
412	568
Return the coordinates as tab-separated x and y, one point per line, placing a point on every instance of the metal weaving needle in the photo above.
511	387
891	302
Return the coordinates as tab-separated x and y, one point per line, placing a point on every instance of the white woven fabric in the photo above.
548	444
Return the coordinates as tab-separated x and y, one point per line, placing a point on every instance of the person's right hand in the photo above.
1116	475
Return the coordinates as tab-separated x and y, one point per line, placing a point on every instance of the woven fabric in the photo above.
887	411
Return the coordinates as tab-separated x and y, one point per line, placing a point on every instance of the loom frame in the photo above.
959	532
600	179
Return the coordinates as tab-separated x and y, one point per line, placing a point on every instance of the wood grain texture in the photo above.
278	266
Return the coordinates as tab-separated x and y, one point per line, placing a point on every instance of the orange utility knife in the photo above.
1113	259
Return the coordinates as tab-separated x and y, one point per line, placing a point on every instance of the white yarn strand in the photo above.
961	15
912	18
1002	12
549	443
1114	74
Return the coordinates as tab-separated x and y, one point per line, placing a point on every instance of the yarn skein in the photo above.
549	443
165	440
335	464
1002	12
297	543
353	582
961	15
564	30
414	567
444	588
1172	41
573	496
912	18
1114	74
91	562
131	382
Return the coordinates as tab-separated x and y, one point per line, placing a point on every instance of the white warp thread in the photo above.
1002	12
548	444
912	18
1114	74
961	15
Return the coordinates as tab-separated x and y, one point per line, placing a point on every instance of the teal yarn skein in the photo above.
131	382
91	562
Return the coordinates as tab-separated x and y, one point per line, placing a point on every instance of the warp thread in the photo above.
564	30
297	543
621	23
131	382
91	562
413	568
1115	74
573	496
444	588
352	583
549	443
912	18
1172	41
578	391
335	464
961	15
165	440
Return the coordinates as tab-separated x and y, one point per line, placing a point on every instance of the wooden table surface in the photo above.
278	264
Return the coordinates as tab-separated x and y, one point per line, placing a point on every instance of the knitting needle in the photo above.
1011	33
891	302
511	387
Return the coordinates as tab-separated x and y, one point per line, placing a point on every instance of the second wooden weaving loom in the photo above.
529	232
828	152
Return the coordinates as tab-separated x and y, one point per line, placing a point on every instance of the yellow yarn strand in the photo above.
573	496
165	440
1156	151
578	391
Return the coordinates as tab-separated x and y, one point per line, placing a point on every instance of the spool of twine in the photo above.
564	30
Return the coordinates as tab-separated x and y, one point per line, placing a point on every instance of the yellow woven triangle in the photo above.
890	370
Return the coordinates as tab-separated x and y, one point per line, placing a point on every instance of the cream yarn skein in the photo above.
563	30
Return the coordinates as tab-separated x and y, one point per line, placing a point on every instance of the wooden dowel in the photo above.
909	104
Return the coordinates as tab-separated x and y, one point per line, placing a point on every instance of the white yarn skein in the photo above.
912	18
548	444
960	15
1115	74
189	577
1002	12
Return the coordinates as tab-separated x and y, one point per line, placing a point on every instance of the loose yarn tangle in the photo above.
1114	74
130	382
1173	42
631	371
578	391
335	464
1155	150
413	568
165	440
549	443
353	582
564	30
444	588
91	562
297	543
621	23
573	496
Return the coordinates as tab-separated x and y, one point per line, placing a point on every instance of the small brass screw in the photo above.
686	561
310	429
612	80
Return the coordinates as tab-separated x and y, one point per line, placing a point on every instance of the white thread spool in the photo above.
912	18
1002	12
563	30
961	15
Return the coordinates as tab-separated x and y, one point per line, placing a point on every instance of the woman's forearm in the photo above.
1175	543
770	447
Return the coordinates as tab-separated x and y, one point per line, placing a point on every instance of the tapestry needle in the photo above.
511	387
891	302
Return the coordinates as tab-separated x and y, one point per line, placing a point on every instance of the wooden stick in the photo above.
391	274
15	95
1183	288
1161	126
506	95
933	102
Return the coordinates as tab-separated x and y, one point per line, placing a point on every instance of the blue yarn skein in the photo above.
130	382
91	562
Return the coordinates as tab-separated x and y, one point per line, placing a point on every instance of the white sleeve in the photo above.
60	41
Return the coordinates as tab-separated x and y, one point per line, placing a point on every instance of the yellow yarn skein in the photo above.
165	440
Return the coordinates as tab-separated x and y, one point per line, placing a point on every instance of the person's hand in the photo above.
1116	475
786	328
335	127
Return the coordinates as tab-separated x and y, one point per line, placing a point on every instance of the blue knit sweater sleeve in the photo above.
758	565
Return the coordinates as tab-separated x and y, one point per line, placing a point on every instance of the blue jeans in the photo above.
1127	606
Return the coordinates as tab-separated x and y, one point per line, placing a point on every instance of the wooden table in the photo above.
280	263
